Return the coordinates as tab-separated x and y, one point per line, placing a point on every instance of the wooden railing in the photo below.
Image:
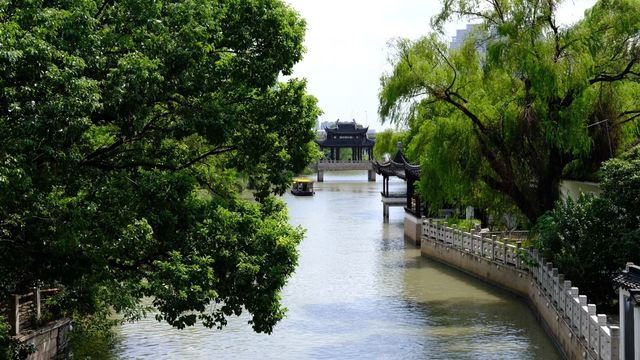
600	338
25	308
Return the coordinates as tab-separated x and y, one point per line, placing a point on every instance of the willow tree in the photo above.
387	143
521	103
124	128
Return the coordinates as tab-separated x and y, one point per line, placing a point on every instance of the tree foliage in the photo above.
592	239
521	103
124	128
387	143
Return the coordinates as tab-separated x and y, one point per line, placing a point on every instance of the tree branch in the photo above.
216	151
556	33
121	141
498	8
453	81
610	78
629	119
446	96
157	165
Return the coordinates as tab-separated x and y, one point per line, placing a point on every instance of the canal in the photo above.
360	292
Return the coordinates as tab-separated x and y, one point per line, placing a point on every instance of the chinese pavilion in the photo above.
347	135
399	167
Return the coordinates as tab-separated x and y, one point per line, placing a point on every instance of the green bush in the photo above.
592	239
10	348
463	224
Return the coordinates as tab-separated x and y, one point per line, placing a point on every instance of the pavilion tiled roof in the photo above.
398	166
630	281
346	128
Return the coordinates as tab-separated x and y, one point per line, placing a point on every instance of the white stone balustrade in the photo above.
600	340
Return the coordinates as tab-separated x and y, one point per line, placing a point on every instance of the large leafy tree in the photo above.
521	103
125	127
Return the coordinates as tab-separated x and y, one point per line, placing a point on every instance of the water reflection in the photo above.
359	293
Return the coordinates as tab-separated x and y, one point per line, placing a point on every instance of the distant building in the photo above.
462	34
347	135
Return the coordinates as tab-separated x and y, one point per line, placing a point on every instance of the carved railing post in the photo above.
493	247
452	235
36	302
14	315
505	248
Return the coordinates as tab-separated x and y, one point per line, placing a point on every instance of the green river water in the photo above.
360	292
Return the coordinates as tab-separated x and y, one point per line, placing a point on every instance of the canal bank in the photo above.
360	292
577	330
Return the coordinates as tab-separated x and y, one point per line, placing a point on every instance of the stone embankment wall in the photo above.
579	332
50	341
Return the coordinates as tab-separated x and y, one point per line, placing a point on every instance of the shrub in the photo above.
592	239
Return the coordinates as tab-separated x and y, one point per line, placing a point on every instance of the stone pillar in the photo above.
469	212
372	175
14	315
622	308
36	301
320	175
493	247
615	349
636	330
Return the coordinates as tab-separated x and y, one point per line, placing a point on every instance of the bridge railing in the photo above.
600	339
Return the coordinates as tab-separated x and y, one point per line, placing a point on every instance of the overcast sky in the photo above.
347	49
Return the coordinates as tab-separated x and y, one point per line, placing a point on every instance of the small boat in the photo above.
302	187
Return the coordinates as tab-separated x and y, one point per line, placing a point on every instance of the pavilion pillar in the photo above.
338	154
372	175
320	175
385	213
409	192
